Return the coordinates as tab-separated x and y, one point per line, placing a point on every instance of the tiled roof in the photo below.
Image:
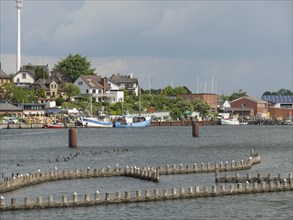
9	107
254	99
278	98
93	81
3	75
122	79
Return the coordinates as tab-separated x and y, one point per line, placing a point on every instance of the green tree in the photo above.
71	90
7	90
201	107
236	95
73	66
40	73
59	101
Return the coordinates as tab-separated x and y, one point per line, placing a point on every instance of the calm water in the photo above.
154	146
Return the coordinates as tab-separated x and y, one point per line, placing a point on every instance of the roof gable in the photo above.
251	98
93	81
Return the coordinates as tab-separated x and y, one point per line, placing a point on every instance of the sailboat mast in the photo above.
139	96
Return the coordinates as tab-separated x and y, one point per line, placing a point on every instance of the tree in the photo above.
73	66
71	90
59	101
40	73
279	92
7	90
237	95
201	107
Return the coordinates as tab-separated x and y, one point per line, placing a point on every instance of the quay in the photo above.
147	196
147	173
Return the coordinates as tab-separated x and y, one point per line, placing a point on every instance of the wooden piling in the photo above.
195	129
72	137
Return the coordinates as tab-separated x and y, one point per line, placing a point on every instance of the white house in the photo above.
23	78
26	75
99	88
126	82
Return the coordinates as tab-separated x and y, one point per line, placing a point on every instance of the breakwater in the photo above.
191	193
17	181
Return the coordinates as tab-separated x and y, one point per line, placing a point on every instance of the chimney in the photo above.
104	82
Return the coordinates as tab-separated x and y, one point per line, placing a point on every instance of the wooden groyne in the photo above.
146	173
147	196
20	181
252	179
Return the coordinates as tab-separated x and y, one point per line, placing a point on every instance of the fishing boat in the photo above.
131	121
229	121
97	122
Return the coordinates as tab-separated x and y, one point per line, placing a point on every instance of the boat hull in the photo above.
53	126
140	124
95	123
229	122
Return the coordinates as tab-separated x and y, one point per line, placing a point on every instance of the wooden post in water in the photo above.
195	129
72	137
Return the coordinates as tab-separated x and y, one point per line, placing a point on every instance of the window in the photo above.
23	76
80	83
94	91
87	91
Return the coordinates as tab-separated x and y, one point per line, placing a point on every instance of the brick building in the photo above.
210	98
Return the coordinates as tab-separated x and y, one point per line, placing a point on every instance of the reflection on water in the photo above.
26	150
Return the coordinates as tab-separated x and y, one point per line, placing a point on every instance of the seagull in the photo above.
55	168
75	193
39	170
97	192
2	197
88	168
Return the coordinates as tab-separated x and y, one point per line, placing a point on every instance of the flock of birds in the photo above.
71	156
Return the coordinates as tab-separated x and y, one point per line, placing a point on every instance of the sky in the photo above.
207	46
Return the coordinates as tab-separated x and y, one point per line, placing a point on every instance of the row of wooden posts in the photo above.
147	173
192	192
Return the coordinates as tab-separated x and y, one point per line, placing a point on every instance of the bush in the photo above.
59	101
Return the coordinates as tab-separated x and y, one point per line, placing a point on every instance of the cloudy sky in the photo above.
240	44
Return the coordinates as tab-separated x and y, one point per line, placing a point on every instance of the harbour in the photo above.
29	150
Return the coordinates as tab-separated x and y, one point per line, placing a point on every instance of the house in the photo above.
48	85
4	78
99	88
210	98
27	74
257	106
280	107
126	82
59	77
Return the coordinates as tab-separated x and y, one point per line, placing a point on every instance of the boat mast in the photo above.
91	102
139	96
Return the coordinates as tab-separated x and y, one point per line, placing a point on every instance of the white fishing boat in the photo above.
229	121
131	121
97	122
